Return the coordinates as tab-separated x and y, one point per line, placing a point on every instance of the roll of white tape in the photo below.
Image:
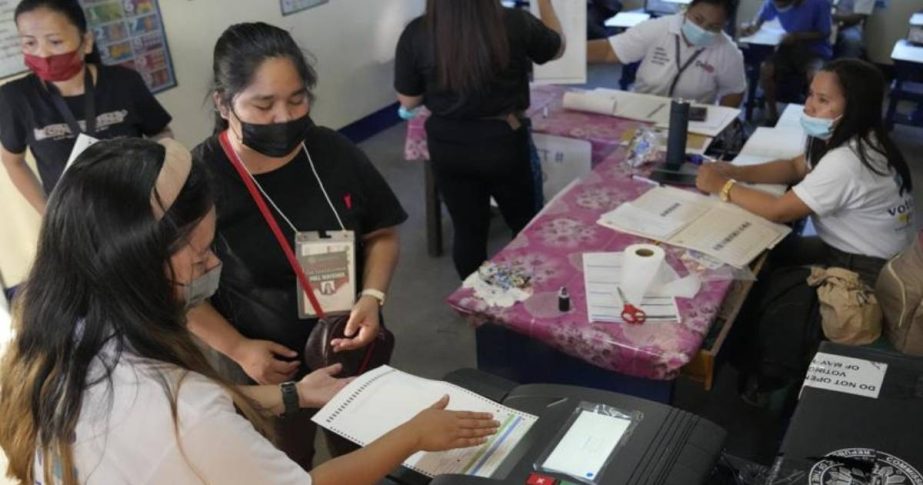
640	267
592	103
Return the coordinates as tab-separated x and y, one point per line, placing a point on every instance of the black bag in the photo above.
788	328
319	353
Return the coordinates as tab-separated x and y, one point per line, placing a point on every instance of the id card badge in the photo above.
329	260
83	142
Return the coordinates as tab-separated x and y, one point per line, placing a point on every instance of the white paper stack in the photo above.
694	221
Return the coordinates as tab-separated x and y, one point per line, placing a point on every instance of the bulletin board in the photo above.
128	33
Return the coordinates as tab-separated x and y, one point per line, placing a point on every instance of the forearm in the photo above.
382	250
758	202
26	182
784	172
166	133
267	397
206	323
549	17
368	464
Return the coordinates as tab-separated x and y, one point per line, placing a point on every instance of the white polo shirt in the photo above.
127	436
854	209
716	72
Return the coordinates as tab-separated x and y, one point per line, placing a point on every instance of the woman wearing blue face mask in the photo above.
686	55
312	181
852	180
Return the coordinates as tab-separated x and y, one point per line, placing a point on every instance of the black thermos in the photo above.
676	140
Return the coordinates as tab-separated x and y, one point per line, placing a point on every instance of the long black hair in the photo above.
470	42
863	86
101	280
239	53
70	9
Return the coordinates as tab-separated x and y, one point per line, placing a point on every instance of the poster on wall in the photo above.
294	6
128	33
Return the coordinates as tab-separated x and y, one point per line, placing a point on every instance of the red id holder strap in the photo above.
271	221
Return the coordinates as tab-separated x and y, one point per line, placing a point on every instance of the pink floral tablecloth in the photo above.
551	248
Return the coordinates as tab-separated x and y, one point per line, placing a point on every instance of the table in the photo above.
908	71
605	134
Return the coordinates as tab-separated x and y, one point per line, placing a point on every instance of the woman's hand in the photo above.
362	327
260	359
712	177
318	387
748	29
436	429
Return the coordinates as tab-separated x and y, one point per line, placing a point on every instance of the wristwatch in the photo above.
289	398
378	295
725	193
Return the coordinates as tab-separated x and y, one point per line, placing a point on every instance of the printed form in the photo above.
384	398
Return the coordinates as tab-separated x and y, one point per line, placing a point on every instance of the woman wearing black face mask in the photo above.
311	179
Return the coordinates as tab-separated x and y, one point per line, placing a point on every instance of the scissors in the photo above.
630	313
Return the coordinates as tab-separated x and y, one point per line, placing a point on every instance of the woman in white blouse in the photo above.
104	384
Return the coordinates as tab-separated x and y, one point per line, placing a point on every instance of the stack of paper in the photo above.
602	274
656	109
384	398
770	33
775	143
694	221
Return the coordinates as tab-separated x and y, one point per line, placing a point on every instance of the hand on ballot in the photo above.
436	429
318	387
748	29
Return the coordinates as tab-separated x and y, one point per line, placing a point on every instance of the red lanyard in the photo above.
271	221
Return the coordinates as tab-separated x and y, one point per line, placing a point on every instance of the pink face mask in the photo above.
56	68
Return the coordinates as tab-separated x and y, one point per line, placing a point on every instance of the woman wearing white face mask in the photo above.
103	382
852	179
682	56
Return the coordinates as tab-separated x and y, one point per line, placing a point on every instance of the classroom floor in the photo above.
433	340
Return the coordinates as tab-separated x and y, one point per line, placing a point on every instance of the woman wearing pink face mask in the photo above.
67	93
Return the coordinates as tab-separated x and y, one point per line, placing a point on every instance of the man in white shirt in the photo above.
850	18
682	56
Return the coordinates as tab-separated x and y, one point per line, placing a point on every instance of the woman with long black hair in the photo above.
104	383
68	92
469	63
852	180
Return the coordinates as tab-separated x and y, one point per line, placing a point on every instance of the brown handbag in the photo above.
318	351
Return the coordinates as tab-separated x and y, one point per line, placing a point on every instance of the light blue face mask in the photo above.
201	288
821	128
696	35
406	114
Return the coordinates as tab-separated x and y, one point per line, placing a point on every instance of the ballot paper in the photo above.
694	221
770	33
571	67
603	275
384	398
775	143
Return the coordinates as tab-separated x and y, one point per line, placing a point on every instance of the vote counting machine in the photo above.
655	444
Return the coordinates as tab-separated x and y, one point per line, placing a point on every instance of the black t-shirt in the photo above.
258	292
125	107
415	69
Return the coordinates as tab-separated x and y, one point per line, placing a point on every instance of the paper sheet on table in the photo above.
384	398
587	444
602	274
571	67
656	109
626	20
563	160
770	34
717	119
775	143
722	231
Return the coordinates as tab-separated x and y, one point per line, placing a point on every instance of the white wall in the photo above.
353	41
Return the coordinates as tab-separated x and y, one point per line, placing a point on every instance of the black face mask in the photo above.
275	139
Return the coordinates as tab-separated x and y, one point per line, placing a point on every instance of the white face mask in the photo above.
201	288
